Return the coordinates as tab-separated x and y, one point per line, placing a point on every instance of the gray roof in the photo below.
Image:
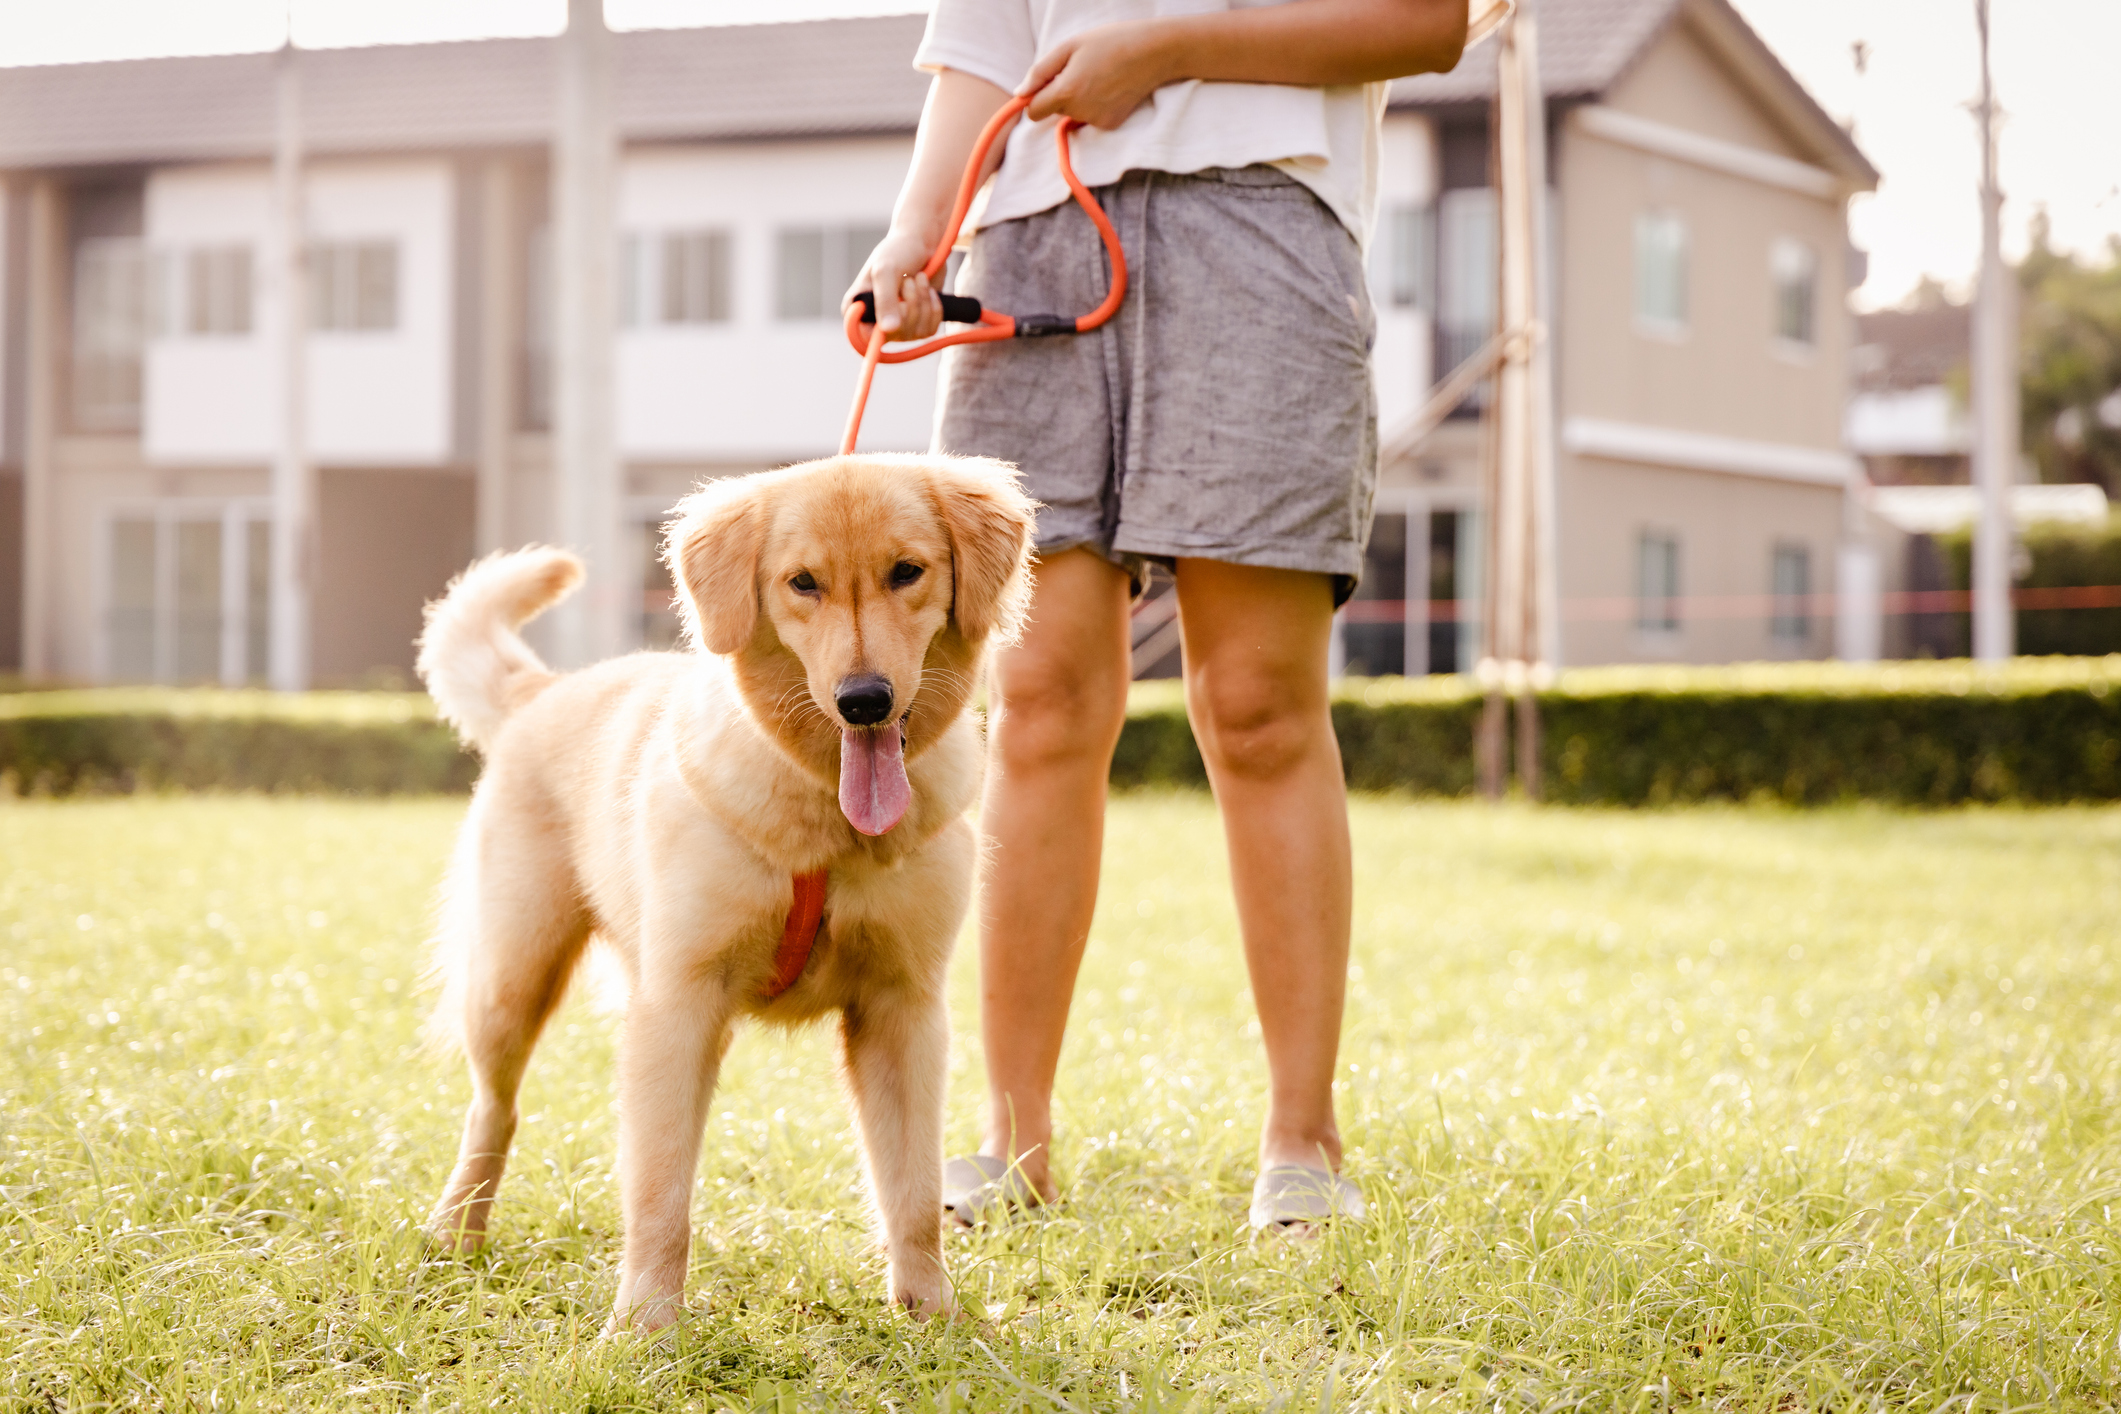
1584	47
781	80
738	81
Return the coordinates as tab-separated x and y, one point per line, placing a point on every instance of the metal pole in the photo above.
589	625
1995	379
293	491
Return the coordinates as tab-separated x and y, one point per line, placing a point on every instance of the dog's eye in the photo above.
904	573
804	583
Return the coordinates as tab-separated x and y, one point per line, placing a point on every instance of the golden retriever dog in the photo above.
664	803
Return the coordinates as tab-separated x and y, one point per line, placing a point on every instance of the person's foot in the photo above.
980	1188
1296	1198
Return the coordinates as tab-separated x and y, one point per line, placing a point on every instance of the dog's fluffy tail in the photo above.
476	666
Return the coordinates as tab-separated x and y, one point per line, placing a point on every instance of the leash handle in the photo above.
985	325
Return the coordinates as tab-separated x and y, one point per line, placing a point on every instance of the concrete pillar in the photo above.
499	335
43	348
294	494
1995	380
589	625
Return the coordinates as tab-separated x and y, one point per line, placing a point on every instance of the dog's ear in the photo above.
990	522
713	550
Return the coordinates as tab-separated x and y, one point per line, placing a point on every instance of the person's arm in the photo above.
1102	75
958	106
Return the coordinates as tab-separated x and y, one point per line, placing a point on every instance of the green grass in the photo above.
1723	1108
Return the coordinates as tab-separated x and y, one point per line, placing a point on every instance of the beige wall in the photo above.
1726	374
388	541
1728	528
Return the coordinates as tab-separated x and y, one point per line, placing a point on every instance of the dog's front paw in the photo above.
925	1295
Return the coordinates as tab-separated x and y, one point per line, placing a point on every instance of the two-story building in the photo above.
1698	312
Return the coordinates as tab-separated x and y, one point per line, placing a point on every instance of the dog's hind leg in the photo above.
519	930
897	1055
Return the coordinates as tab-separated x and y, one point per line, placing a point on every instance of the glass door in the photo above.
186	593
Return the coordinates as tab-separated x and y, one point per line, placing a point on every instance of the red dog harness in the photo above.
799	933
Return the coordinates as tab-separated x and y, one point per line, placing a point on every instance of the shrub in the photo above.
1911	733
1931	733
2057	556
163	739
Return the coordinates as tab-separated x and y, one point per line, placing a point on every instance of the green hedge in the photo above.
1911	733
2057	556
1935	733
62	743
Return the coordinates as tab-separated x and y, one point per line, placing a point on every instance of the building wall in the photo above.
1728	529
758	387
10	572
1406	178
1726	374
389	540
376	397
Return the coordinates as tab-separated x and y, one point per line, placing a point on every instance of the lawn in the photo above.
1733	1108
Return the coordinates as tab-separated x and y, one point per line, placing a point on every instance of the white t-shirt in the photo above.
1326	138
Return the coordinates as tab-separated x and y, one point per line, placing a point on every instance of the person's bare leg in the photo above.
1255	652
1057	702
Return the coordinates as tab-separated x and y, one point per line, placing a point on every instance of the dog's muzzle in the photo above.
864	700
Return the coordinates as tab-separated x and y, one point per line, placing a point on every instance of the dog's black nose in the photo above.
864	700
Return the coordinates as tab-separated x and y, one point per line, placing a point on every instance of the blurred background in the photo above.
302	306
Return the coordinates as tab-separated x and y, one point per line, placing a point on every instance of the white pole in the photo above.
589	625
1543	632
1995	378
293	494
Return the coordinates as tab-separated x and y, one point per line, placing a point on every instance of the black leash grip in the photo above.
957	309
1042	326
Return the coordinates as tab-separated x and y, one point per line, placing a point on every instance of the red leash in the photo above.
807	910
986	324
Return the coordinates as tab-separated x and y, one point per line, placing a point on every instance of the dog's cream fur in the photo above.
662	803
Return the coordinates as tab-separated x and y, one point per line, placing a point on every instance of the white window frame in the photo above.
1660	635
1417	504
235	514
1784	254
1659	324
334	279
1790	628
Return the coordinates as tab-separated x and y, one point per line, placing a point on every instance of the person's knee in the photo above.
1055	714
1255	723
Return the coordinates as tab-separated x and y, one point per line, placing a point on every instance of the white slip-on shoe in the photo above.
1295	1197
980	1188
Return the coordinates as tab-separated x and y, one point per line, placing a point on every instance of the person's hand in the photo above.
1100	76
907	307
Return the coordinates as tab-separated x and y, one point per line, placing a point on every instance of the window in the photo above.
1408	252
1661	272
215	299
1790	576
696	277
187	592
1466	275
110	324
816	265
353	285
1657	582
675	277
1796	274
539	334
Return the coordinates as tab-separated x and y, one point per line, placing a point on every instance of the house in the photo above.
1700	331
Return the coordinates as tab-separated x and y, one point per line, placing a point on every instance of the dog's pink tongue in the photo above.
874	792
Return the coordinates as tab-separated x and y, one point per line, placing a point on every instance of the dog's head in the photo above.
854	596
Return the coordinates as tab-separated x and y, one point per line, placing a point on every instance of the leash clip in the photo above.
1042	326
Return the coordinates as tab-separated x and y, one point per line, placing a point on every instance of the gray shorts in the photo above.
1225	413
